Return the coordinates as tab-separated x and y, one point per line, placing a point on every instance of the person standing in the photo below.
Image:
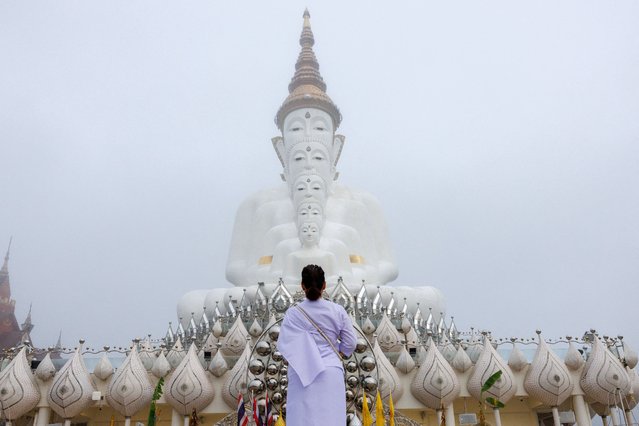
314	337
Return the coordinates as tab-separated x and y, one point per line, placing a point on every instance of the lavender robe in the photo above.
316	378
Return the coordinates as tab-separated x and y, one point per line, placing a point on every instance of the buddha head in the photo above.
309	145
310	211
309	234
307	187
308	119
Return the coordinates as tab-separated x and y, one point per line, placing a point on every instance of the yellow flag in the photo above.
391	420
379	411
280	420
367	419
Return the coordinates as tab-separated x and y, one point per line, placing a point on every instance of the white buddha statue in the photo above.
266	225
311	218
292	255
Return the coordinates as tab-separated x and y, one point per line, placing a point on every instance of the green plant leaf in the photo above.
491	381
494	402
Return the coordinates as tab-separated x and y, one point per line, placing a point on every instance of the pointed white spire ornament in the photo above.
255	329
517	361
46	369
189	387
72	388
475	347
260	302
378	303
447	349
236	381
218	365
176	354
130	390
235	340
204	325
453	333
548	379
208	348
389	382
488	363
104	369
147	354
461	362
406	325
342	296
573	360
435	383
19	391
405	362
368	327
161	366
169	338
193	330
629	355
603	375
387	335
281	299
217	328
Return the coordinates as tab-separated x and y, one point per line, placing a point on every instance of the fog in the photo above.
501	139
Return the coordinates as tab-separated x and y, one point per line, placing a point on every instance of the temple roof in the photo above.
11	333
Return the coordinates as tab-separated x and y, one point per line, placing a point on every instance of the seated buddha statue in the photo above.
266	231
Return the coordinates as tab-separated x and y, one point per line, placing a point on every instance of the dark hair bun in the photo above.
313	281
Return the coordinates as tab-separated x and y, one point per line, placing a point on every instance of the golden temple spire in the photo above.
307	88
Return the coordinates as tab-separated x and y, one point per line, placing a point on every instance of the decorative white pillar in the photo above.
450	415
67	422
628	417
581	410
186	421
555	416
438	415
127	421
176	418
497	416
614	416
44	414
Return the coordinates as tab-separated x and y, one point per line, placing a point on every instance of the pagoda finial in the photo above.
5	287
6	256
307	88
27	325
58	345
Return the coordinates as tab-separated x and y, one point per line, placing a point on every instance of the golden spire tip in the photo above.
307	18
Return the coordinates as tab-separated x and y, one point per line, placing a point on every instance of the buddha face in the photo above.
307	187
309	234
308	138
310	211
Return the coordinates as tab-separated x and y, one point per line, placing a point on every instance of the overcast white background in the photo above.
501	138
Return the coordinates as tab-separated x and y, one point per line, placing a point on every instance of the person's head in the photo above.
313	281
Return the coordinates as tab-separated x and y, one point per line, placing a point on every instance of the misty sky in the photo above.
501	138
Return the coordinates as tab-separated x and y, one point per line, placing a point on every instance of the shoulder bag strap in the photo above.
320	330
